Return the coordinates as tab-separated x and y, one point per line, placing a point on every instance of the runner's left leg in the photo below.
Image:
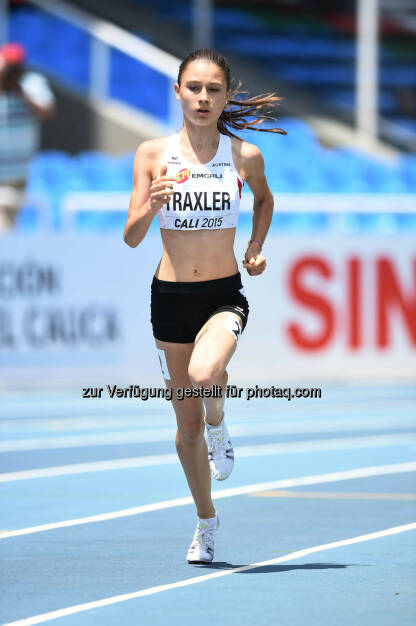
214	347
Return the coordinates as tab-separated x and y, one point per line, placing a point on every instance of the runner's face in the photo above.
202	93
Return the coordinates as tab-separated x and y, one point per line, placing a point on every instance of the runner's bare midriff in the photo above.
198	255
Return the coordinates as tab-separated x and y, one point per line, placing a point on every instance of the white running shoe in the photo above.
220	451
201	549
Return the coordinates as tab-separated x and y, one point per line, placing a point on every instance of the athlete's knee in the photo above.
190	434
205	375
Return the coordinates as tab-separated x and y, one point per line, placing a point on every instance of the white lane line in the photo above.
77	441
79	608
94	466
167	434
363	472
319	445
61	426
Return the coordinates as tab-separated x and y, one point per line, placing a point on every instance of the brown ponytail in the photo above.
237	109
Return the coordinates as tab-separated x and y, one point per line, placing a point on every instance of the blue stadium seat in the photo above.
124	170
263	46
139	85
97	168
345	98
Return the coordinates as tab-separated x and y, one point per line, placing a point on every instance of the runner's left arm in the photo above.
253	164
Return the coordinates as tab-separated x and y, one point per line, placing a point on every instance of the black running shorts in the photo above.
180	309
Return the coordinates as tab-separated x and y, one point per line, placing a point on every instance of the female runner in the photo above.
192	181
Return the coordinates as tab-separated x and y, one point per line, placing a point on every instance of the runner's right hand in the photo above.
161	190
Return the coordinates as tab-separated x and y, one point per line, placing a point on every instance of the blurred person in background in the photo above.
25	99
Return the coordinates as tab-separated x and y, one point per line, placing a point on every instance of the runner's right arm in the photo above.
147	196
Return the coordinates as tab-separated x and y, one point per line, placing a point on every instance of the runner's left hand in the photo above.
254	261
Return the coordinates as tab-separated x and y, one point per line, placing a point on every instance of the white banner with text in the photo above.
75	310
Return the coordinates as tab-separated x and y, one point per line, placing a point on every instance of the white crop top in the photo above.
205	195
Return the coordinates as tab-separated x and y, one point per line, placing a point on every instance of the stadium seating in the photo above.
294	163
314	55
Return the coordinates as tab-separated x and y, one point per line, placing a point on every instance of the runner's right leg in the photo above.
190	441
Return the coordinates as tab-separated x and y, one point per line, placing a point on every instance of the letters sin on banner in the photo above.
386	298
78	309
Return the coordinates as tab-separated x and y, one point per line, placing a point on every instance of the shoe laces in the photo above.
216	442
204	536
